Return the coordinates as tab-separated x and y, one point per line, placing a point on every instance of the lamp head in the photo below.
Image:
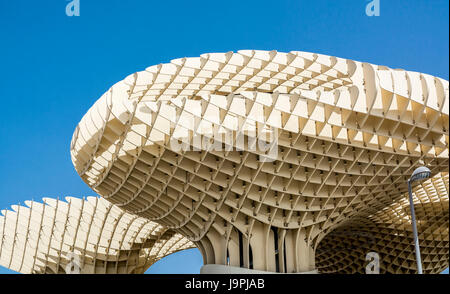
420	173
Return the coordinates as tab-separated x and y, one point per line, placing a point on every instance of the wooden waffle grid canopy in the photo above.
82	235
344	138
389	233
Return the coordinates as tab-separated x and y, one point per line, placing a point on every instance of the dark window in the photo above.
241	250
277	257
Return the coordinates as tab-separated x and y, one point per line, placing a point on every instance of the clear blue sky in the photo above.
53	67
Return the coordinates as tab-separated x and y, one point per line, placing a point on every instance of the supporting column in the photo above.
263	248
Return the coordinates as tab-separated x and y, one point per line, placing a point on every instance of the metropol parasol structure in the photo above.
265	161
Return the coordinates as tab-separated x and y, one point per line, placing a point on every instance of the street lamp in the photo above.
419	173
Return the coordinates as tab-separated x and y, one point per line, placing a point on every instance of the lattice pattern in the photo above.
389	233
92	234
347	136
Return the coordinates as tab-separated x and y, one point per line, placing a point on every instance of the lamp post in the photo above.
419	173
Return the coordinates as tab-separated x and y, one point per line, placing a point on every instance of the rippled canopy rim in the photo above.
46	237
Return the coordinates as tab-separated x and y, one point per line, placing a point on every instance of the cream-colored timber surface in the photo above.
345	137
388	232
88	236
